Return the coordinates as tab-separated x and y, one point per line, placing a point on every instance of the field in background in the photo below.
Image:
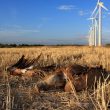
19	94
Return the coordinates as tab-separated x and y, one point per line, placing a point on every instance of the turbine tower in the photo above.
94	29
91	37
100	21
99	7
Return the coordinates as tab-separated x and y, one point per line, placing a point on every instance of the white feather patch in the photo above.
23	71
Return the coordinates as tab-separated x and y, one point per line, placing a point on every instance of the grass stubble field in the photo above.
19	94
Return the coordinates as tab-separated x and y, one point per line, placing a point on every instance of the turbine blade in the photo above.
101	4
98	1
104	7
90	18
94	10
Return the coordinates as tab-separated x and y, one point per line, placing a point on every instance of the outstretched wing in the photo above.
19	61
23	63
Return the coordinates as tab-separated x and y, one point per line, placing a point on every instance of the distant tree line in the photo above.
32	45
107	45
18	45
35	45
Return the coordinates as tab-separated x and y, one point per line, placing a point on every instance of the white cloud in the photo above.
82	13
66	7
19	31
16	30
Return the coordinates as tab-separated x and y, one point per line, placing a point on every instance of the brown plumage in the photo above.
56	80
28	68
76	69
49	68
22	72
23	67
80	77
94	74
88	79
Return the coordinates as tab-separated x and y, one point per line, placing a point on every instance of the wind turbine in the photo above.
90	37
99	6
94	29
100	21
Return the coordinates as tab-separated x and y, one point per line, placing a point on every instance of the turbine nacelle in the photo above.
102	5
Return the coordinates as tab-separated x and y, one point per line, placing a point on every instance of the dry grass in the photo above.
17	94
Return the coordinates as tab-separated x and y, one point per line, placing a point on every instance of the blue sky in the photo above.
49	21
